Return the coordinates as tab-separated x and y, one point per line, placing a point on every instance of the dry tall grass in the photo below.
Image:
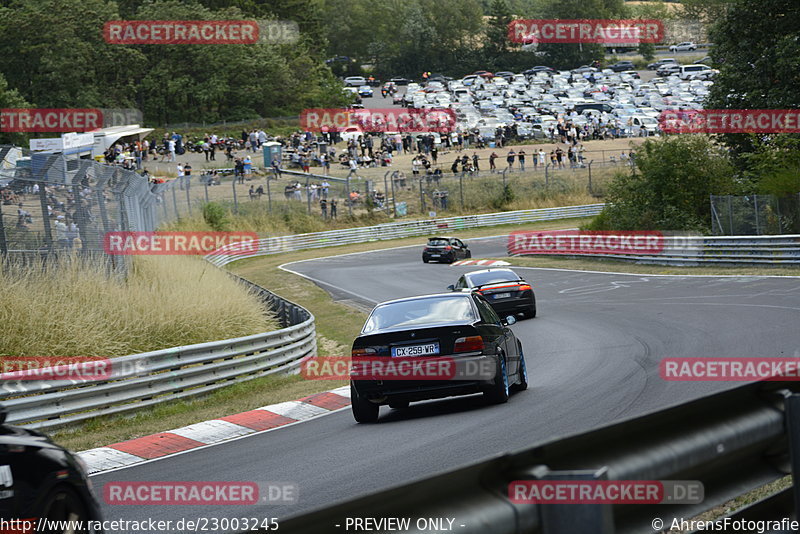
74	308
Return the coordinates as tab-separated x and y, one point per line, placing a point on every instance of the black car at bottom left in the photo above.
40	481
458	336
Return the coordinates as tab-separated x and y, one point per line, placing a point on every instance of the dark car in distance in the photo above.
620	66
445	249
39	479
506	291
462	327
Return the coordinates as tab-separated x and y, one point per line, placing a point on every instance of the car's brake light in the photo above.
368	351
468	344
524	287
448	247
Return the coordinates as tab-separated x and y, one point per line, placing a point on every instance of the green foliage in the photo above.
757	50
670	186
10	98
216	216
503	199
648	51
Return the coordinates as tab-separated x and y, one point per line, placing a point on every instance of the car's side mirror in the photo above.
508	321
451	287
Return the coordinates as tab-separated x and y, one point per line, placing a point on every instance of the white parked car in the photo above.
686	46
355	81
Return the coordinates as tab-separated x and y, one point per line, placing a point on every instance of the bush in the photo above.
215	216
669	188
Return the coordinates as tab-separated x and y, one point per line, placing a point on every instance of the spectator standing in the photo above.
521	159
333	208
323	207
510	159
492	167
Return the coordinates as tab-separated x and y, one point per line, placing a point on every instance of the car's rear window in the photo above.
493	277
419	312
438	242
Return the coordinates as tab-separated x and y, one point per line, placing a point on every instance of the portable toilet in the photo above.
271	150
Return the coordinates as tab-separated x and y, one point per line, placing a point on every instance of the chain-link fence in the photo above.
53	204
755	215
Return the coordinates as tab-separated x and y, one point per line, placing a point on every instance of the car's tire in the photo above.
522	385
498	393
64	504
400	405
425	260
364	411
469	254
531	313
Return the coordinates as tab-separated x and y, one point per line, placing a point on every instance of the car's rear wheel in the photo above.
522	385
469	254
64	504
425	260
498	394
364	411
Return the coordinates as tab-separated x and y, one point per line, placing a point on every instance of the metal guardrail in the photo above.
364	234
724	250
140	380
732	442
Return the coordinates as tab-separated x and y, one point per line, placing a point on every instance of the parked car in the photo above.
661	62
506	291
355	81
460	326
39	479
688	72
445	249
685	46
668	70
400	80
620	66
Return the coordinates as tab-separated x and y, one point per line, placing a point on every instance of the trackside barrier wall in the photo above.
141	380
290	243
725	250
732	442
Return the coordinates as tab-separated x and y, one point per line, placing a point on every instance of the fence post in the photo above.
235	200
3	244
269	196
347	194
205	185
546	175
591	190
394	201
188	198
421	197
730	215
461	188
755	205
48	234
175	203
308	195
504	178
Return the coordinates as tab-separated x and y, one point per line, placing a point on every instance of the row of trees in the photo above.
757	48
52	54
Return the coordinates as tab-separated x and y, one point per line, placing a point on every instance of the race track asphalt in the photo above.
592	353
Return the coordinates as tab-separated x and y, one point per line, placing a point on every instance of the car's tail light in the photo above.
368	351
468	344
448	247
524	287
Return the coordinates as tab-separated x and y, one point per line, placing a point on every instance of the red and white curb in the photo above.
488	263
217	430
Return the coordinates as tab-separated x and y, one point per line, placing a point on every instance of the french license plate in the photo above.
416	350
501	295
